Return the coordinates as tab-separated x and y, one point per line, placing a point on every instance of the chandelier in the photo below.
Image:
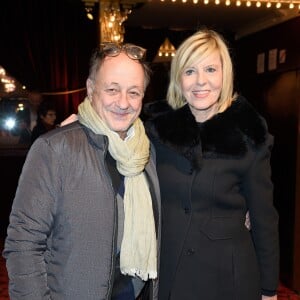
112	14
7	81
291	4
112	17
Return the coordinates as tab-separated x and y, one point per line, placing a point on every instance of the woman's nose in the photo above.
201	78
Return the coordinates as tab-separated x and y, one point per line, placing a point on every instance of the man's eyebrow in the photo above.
106	84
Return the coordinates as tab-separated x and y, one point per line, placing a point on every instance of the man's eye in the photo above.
135	94
112	91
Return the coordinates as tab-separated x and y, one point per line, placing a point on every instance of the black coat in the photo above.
210	175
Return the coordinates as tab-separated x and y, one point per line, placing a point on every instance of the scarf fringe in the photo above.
144	275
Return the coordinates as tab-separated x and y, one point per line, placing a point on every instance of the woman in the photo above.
213	162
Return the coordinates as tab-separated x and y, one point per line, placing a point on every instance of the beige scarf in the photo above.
138	247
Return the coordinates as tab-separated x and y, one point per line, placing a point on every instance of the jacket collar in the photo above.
226	134
96	140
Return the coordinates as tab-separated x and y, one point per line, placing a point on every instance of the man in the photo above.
85	222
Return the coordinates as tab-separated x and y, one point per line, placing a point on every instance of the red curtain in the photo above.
46	46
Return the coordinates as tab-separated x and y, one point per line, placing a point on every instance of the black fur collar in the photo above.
226	134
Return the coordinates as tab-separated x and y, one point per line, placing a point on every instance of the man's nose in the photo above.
123	100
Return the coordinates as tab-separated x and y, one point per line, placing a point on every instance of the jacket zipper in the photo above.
112	271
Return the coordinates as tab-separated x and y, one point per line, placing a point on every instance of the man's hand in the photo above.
269	298
247	221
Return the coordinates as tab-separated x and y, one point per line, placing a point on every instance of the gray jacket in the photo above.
62	233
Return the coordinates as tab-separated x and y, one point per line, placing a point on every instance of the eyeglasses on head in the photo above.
132	51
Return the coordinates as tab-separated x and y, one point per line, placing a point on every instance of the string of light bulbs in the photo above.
291	4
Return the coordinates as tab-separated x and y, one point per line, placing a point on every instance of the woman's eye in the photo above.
189	72
210	69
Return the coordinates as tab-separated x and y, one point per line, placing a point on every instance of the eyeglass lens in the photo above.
134	52
111	49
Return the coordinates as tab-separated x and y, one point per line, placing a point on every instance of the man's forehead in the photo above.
121	65
122	57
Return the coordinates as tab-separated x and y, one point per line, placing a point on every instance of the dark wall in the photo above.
276	94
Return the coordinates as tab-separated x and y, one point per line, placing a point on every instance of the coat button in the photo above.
187	210
190	251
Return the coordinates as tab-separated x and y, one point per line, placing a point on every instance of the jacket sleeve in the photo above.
264	217
31	220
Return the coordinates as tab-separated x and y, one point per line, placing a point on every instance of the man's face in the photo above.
118	92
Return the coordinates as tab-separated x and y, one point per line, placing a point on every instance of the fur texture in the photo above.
227	134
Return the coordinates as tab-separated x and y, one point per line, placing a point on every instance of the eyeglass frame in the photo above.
121	48
98	56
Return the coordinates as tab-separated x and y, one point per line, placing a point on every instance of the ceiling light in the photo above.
291	4
165	52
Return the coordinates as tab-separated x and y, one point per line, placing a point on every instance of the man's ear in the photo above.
89	88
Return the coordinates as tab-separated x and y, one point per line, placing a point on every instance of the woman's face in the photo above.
201	86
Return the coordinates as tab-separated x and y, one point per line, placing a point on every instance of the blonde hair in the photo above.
198	46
